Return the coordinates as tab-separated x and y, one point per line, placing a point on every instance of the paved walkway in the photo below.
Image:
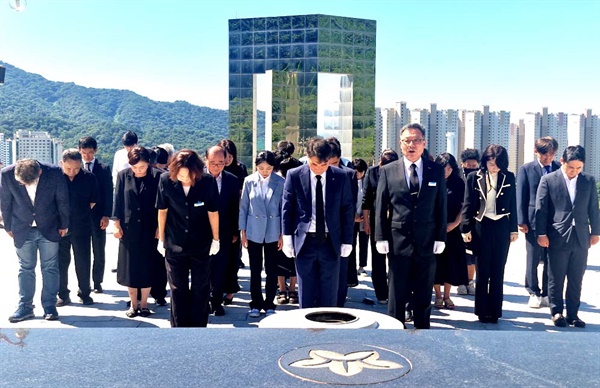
109	309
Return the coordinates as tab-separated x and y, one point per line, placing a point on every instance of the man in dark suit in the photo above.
318	222
378	261
348	275
568	223
229	208
35	208
103	209
410	216
82	186
528	179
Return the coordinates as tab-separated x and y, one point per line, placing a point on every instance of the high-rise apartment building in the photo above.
5	150
469	130
309	75
515	145
36	145
592	145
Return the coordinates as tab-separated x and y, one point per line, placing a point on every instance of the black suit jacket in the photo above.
528	180
229	207
339	206
370	181
555	213
131	206
104	206
51	209
408	227
476	197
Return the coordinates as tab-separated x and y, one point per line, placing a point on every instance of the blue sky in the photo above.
512	55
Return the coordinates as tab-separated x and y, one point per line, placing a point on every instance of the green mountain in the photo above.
69	112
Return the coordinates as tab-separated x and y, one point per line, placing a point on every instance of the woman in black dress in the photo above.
135	219
451	264
188	224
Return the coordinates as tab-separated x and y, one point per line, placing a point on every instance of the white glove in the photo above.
345	250
214	247
288	246
438	247
161	248
383	247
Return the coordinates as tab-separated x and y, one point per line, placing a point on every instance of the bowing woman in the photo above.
260	223
188	227
135	220
489	219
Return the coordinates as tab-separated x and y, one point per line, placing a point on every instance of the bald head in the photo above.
215	159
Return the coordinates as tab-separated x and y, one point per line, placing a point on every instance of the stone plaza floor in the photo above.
110	306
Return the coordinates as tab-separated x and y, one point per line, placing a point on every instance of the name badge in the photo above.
432	184
198	204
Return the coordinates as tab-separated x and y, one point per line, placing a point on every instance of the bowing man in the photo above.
318	222
568	223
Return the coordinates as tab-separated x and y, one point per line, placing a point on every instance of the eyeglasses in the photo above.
212	164
414	141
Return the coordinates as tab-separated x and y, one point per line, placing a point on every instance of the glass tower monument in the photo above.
295	77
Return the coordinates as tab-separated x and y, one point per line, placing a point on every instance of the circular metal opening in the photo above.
332	317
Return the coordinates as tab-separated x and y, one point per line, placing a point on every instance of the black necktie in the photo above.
414	182
88	166
547	168
320	210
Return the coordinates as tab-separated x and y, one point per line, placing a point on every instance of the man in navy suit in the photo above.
410	225
568	223
103	209
229	209
35	208
318	222
528	180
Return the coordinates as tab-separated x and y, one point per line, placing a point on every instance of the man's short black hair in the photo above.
574	153
545	144
470	154
88	142
319	148
129	139
336	149
71	154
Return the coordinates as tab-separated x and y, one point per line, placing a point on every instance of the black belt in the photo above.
314	235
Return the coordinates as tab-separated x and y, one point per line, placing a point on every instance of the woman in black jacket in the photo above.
489	219
135	219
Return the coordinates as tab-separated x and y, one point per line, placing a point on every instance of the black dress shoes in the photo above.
408	316
160	302
559	320
98	290
218	310
576	322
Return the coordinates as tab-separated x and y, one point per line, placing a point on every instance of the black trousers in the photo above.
344	279
379	268
535	254
189	304
255	254
411	275
98	248
83	258
218	265
231	285
318	272
351	268
493	241
570	263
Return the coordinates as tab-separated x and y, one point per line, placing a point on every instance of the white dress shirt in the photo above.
312	227
408	172
120	162
31	190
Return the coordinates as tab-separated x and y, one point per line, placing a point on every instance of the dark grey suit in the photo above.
528	180
567	225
